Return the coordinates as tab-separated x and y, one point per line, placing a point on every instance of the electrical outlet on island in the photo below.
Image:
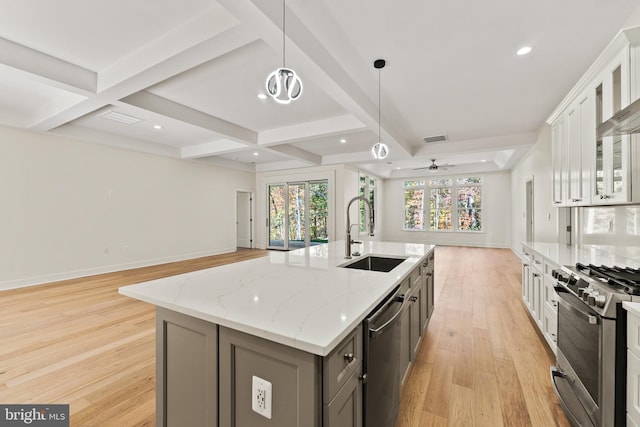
261	396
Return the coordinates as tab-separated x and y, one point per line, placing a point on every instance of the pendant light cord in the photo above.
284	26
379	135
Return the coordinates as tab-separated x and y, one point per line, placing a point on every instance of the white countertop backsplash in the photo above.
300	298
588	254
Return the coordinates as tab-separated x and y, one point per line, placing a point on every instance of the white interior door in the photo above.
243	219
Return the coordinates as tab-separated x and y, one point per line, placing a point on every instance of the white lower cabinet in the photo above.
539	295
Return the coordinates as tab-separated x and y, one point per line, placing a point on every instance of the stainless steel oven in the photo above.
590	372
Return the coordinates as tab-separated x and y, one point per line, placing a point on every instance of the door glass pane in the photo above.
362	217
599	182
414	209
318	212
469	203
297	223
277	203
617	164
440	209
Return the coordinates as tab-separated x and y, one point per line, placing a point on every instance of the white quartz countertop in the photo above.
301	298
609	255
632	307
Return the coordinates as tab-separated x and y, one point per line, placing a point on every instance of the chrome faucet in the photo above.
372	225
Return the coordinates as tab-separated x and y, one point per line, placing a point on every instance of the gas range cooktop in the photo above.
623	278
601	287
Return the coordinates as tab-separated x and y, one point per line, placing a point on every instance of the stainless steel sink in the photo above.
375	263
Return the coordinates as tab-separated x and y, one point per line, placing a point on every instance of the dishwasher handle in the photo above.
399	300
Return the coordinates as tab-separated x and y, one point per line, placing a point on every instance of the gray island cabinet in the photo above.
292	320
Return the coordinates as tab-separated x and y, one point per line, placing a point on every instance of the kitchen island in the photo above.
292	319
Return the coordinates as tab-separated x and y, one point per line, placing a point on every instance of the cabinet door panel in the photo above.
186	360
345	410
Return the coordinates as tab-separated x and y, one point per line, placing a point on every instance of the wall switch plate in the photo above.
261	396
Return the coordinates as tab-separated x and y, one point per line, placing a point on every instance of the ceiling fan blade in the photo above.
417	169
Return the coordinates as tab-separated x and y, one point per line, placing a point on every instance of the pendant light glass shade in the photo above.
380	151
283	84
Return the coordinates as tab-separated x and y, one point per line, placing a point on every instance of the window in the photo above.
465	212
414	205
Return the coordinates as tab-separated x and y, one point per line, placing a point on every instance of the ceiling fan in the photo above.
433	167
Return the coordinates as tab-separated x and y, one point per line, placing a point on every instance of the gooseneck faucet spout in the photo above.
372	224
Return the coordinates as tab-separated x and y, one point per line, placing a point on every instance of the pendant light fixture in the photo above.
283	84
380	150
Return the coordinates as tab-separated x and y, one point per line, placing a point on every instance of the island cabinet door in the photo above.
295	377
345	410
186	371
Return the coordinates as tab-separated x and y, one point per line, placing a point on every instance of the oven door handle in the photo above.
566	298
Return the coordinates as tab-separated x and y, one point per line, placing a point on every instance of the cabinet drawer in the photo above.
550	295
341	363
633	334
416	277
633	387
548	267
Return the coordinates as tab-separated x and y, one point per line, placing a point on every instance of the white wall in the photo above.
71	208
496	215
535	164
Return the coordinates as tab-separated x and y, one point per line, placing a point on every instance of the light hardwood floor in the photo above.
80	342
482	362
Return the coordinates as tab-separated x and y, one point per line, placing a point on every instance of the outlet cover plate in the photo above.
261	392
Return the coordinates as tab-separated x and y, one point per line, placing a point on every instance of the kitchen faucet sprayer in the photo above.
372	224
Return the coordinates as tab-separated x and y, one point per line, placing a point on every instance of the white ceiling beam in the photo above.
212	48
165	107
359	157
477	145
190	33
211	148
276	166
315	129
112	140
48	69
297	154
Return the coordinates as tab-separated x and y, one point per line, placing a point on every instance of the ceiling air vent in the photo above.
435	138
119	117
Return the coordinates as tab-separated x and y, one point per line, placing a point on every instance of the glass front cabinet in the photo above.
612	166
588	169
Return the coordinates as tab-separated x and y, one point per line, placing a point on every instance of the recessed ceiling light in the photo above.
157	127
343	141
255	153
397	167
262	96
483	160
523	50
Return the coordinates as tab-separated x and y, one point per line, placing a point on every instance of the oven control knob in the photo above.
586	293
597	300
572	280
581	291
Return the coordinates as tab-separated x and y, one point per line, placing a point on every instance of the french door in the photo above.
298	213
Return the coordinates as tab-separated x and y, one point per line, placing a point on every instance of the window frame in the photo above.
454	184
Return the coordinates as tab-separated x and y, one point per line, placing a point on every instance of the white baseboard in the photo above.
67	275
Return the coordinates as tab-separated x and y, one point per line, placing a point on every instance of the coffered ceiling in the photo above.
182	78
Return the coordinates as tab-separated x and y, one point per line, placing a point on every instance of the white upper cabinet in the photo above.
612	177
587	169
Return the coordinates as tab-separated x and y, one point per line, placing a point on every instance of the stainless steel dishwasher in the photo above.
382	359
